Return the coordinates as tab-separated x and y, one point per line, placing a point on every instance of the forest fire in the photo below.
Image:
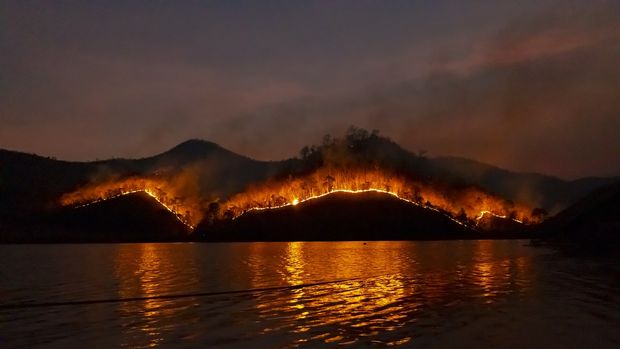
464	205
187	210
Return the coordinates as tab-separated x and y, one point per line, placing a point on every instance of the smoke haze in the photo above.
531	86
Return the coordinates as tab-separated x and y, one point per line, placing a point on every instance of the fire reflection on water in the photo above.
423	294
341	312
494	277
384	293
371	307
146	322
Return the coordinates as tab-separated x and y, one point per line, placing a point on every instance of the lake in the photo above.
440	294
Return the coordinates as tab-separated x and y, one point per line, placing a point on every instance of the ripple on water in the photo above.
384	294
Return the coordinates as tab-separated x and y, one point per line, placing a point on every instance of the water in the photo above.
412	294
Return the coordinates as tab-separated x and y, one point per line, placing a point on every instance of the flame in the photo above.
461	204
186	209
464	205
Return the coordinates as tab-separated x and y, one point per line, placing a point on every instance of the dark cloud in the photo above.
528	86
540	96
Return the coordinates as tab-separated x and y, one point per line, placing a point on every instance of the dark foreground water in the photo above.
412	294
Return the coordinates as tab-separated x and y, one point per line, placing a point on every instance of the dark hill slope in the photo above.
216	172
594	219
133	217
534	189
31	184
339	216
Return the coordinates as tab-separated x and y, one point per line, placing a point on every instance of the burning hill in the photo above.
187	209
339	216
359	163
365	162
199	181
466	204
131	217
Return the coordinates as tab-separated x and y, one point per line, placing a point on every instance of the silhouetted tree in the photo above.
213	212
356	138
312	185
328	141
305	153
229	214
512	214
329	181
417	195
539	213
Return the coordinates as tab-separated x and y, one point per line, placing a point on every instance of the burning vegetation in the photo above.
188	210
362	161
466	204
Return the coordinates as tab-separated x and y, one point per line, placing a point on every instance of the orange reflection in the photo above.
495	272
382	291
294	263
384	287
139	271
341	307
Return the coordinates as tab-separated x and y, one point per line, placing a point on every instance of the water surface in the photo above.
411	294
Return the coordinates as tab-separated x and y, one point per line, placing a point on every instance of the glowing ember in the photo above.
464	204
186	210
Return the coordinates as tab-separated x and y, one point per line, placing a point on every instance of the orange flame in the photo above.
463	204
187	210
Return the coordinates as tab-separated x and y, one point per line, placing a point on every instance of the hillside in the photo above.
538	190
34	184
195	174
594	219
30	182
339	216
133	217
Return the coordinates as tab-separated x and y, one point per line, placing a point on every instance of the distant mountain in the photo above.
31	183
213	171
535	189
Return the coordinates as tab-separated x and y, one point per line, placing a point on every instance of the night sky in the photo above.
529	85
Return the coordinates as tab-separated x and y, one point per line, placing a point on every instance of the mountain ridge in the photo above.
32	185
191	145
510	184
